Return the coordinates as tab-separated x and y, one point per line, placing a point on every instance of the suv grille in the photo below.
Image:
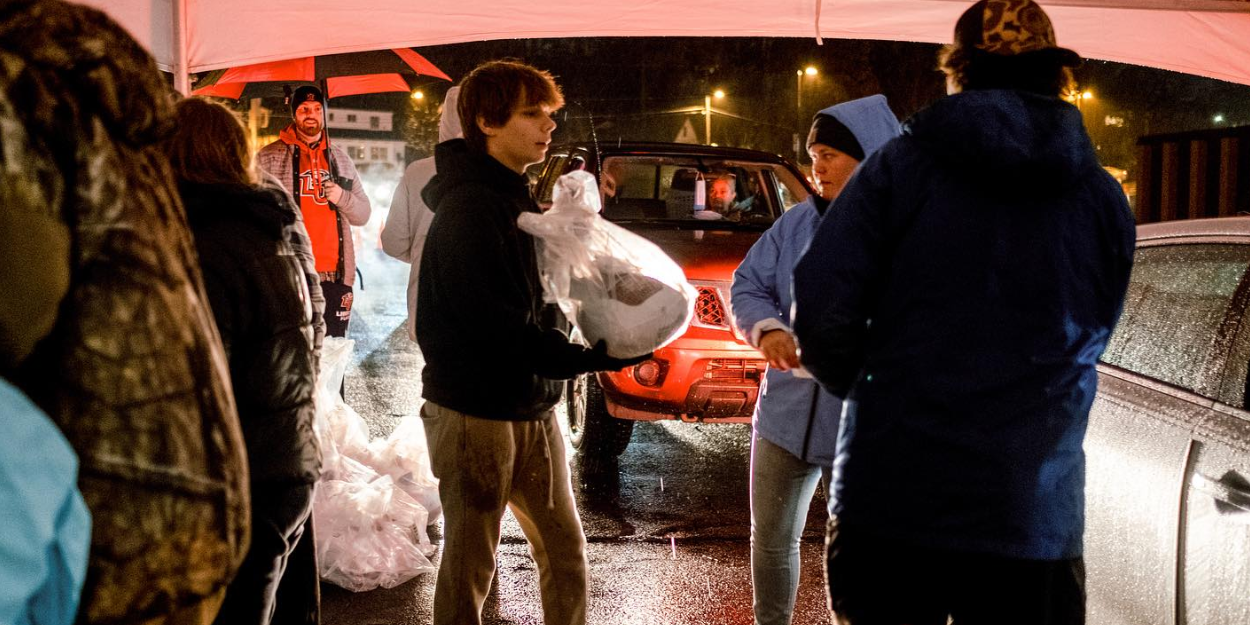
708	310
730	369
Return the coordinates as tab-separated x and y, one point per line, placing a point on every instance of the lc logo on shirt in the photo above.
344	312
310	185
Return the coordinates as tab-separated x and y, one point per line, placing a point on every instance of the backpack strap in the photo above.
295	188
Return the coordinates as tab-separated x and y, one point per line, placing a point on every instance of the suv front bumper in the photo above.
703	379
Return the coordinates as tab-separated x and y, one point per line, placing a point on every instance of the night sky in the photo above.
629	86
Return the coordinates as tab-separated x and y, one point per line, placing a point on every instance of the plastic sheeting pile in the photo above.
375	498
612	284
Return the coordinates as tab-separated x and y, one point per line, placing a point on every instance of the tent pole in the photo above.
182	74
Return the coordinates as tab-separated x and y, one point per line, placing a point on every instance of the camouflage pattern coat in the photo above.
132	371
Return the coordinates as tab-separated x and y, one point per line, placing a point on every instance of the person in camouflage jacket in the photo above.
128	363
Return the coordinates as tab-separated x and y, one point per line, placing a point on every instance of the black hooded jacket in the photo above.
260	302
490	344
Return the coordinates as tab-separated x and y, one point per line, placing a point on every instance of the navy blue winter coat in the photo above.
963	287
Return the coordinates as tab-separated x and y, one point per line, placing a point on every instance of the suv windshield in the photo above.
703	191
686	188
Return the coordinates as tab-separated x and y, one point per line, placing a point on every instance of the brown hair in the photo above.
1042	71
493	90
208	144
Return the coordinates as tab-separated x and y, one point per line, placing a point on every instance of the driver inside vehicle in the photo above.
723	202
720	199
721	194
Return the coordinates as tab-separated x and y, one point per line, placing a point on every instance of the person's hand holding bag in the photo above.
597	359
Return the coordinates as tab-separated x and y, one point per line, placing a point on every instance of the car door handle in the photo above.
1226	490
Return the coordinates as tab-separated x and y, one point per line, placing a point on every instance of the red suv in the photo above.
704	206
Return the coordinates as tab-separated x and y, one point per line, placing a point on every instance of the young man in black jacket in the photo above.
494	359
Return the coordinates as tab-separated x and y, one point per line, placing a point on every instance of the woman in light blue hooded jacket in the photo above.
795	422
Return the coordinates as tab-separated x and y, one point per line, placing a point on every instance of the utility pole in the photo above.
707	119
810	70
257	116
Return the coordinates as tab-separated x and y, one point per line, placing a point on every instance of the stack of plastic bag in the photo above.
612	284
405	458
375	498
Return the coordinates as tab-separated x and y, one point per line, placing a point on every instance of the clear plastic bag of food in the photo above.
405	457
340	430
612	284
364	534
375	498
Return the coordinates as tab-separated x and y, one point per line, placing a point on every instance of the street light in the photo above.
1083	97
798	98
418	95
810	70
1076	97
707	113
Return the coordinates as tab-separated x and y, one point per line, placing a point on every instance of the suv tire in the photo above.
593	431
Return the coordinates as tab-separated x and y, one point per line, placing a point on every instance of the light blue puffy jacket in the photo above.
47	529
795	413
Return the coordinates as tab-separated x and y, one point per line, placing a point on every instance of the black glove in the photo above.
597	359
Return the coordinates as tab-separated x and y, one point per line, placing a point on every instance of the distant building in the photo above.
369	137
357	119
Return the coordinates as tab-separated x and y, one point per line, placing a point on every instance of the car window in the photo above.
695	188
635	183
1235	379
789	190
1178	299
551	171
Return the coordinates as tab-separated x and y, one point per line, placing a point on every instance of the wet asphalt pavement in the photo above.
668	527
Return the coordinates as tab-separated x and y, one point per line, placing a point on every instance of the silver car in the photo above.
1167	535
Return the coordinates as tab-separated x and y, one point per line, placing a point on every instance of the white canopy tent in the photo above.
1203	37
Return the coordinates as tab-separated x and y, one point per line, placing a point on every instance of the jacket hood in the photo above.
869	119
263	206
458	166
1009	137
449	122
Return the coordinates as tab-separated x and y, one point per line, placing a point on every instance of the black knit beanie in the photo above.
827	130
305	94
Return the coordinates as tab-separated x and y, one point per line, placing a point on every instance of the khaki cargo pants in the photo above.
483	467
